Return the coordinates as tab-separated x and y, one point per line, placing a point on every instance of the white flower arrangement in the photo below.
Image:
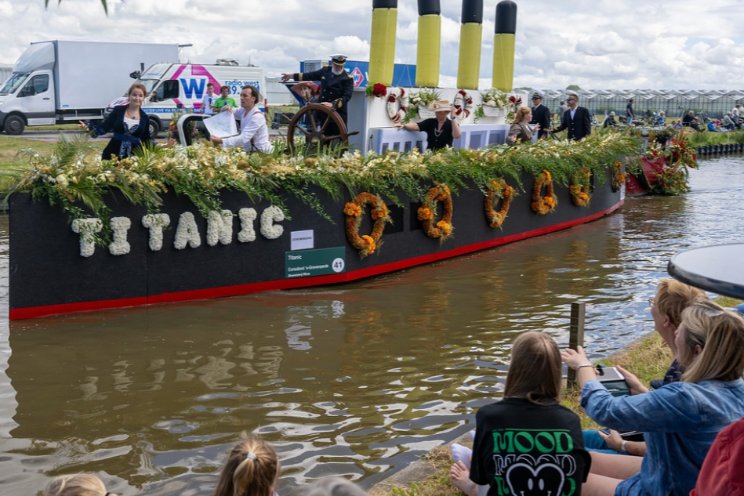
187	232
119	227
155	223
424	97
219	227
247	233
269	230
495	98
87	229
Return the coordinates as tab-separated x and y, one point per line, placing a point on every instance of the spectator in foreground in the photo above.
506	453
680	420
666	308
76	485
251	469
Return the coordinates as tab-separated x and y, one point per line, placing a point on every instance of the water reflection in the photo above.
356	380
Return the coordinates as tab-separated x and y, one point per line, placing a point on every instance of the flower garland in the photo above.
426	212
353	210
463	104
580	187
618	175
397	104
543	204
498	188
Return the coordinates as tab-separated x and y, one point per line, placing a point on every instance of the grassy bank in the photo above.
15	151
648	358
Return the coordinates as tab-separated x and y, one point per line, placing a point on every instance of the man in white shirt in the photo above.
254	134
208	99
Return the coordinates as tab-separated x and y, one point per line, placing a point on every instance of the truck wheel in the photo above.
14	125
154	125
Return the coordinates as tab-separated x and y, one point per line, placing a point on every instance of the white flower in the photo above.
269	230
219	227
155	223
87	228
187	232
120	226
247	234
61	180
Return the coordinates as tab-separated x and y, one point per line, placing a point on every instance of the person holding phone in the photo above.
680	420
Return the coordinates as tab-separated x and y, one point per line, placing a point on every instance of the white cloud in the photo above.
594	43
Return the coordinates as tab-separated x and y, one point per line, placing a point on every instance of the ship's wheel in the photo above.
322	128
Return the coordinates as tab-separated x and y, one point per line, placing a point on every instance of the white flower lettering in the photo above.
247	234
87	228
187	232
269	230
219	227
156	223
120	245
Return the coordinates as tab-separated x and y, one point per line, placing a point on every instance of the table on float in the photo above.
718	269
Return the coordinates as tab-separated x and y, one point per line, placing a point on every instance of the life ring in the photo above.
581	187
498	188
543	204
397	104
366	244
618	175
427	211
463	104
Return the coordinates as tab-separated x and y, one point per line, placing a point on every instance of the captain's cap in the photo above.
537	95
338	59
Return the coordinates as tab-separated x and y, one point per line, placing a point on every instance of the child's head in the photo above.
75	485
535	370
252	469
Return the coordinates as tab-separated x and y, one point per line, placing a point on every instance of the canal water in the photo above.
355	380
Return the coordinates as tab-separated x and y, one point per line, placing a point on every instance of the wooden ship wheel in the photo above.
322	128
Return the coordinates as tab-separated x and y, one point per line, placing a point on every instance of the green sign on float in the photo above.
306	263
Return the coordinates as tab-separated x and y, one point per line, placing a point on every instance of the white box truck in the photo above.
66	81
173	88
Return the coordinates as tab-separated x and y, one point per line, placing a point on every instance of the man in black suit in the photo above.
540	115
576	119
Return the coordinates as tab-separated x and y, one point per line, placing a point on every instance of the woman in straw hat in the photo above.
441	130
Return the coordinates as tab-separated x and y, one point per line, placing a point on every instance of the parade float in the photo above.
197	222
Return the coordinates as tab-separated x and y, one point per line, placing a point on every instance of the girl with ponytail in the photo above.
252	469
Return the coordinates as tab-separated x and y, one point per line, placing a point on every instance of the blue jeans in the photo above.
594	442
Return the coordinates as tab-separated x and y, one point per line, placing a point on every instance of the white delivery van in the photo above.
65	81
175	88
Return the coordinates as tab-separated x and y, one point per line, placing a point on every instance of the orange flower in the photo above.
352	209
445	227
370	243
379	213
425	213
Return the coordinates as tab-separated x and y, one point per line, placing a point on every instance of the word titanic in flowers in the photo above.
219	230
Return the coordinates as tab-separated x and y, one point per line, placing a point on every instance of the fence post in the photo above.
576	333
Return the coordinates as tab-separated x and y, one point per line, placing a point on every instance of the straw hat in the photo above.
441	106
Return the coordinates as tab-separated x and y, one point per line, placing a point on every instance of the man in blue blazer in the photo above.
576	119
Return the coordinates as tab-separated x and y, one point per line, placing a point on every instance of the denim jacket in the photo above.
679	422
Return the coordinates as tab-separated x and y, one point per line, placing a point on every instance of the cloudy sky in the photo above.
597	44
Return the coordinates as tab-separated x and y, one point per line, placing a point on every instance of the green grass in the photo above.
14	153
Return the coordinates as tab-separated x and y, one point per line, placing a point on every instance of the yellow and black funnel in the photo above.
429	43
471	36
382	44
503	45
